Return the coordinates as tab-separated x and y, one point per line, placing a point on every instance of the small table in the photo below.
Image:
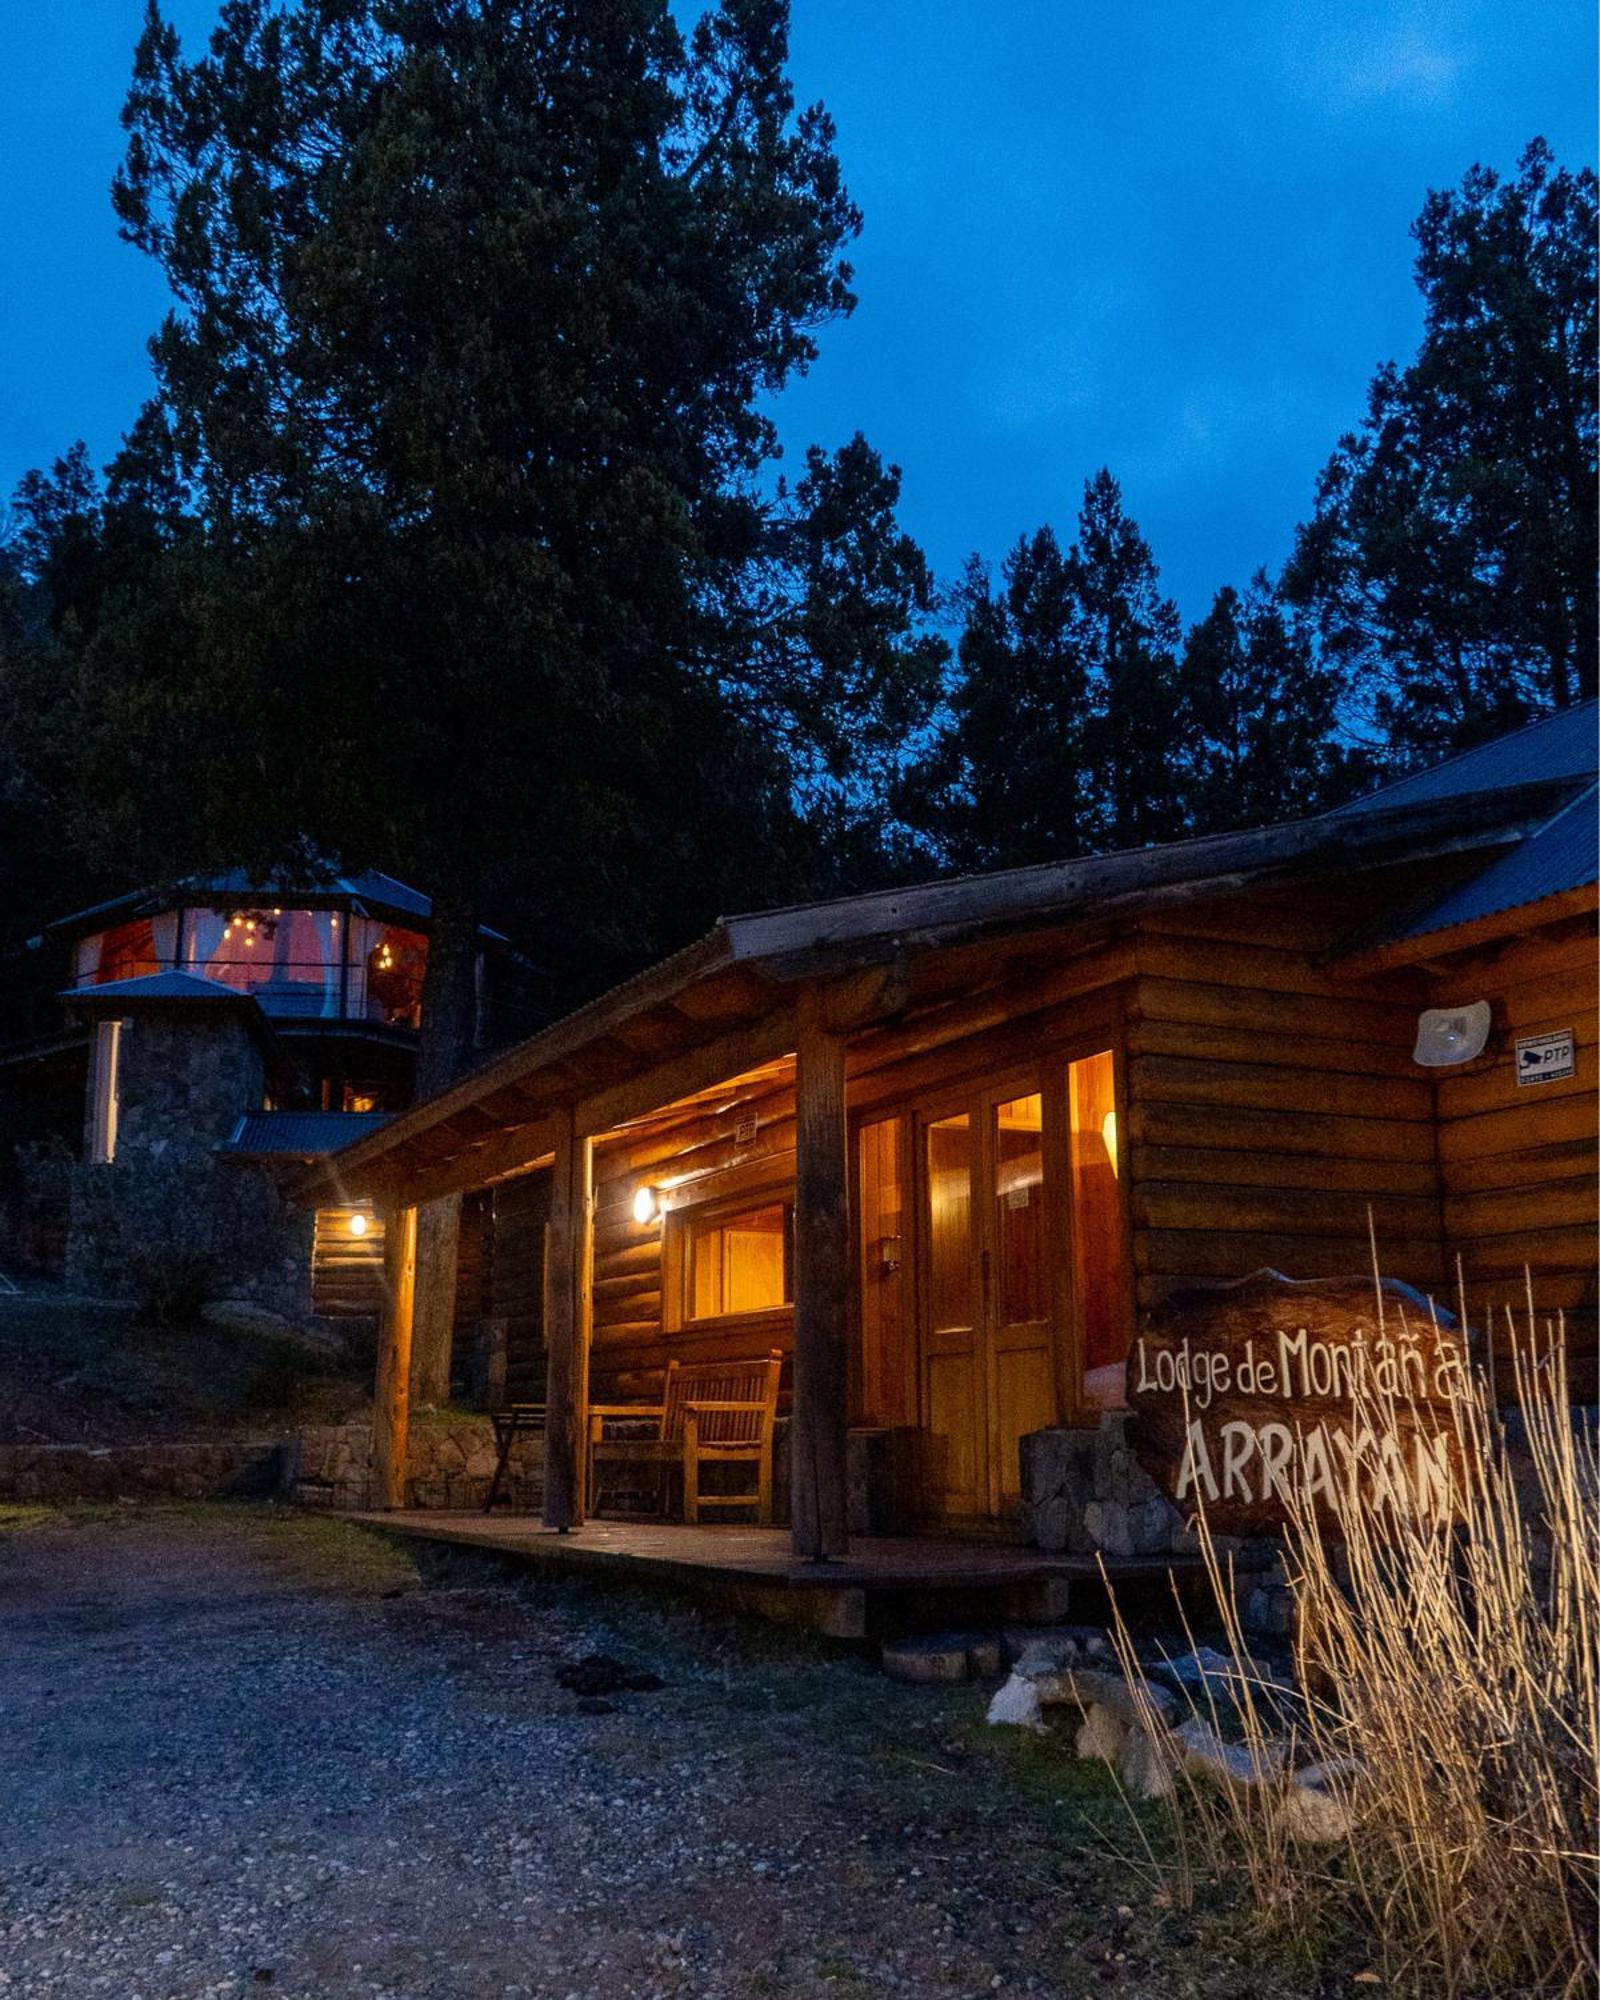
510	1422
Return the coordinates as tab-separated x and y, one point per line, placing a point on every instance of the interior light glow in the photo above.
646	1206
1108	1132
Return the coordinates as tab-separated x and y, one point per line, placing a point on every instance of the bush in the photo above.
173	1285
1451	1684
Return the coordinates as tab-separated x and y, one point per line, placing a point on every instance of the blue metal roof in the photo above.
1562	854
163	986
1558	746
369	885
302	1135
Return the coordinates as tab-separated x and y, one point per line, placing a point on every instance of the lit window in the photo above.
1100	1240
738	1263
105	1092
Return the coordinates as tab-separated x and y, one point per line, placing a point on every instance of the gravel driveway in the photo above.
244	1751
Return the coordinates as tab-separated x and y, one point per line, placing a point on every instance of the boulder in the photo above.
1315	1815
940	1657
1104	1685
1229	1763
1146	1766
1016	1704
1101	1734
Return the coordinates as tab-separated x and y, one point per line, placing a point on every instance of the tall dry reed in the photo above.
1451	1684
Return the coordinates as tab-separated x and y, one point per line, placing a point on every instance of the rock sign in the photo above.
1242	1393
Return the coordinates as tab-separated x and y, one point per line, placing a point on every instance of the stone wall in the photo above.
248	1470
1084	1493
449	1464
186	1076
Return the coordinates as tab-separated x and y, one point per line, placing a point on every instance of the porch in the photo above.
884	1586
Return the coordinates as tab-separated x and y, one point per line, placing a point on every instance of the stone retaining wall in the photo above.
1084	1492
449	1464
248	1470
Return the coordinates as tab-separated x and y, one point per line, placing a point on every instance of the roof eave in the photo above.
1451	939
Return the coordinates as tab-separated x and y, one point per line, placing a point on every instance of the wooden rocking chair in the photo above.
712	1413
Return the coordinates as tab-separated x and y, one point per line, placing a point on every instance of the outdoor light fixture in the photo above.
359	1224
646	1205
1447	1035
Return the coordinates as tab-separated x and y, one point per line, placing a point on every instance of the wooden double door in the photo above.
990	1237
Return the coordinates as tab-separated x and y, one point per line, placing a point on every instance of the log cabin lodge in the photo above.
939	1147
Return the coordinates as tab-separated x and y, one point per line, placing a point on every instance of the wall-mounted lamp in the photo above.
359	1223
1447	1035
646	1205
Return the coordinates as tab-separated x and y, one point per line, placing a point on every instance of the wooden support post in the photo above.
821	1286
568	1290
391	1411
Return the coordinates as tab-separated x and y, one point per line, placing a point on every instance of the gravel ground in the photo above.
244	1751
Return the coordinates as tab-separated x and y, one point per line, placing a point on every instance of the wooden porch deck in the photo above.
886	1583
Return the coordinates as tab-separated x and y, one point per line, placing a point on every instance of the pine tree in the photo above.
1260	711
1003	784
1450	564
1128	633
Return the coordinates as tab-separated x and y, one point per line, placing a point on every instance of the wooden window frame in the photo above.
679	1226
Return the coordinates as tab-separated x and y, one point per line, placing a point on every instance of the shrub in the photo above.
1451	1684
173	1284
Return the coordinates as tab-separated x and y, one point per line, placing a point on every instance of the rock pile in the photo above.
1171	1720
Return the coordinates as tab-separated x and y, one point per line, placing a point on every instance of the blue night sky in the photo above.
1170	238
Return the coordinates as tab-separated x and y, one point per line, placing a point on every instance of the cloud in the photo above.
1361	59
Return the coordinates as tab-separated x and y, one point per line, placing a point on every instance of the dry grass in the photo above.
1452	1686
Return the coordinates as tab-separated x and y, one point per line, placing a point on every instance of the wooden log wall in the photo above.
520	1215
699	1157
1519	1165
346	1270
473	1265
1273	1102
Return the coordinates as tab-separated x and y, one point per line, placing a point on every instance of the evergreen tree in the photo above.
1062	732
453	544
1128	633
1450	564
1003	783
1260	712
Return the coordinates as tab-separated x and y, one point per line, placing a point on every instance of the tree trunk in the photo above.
821	1289
448	1048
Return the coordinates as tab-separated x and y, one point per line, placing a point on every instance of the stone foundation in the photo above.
449	1464
1084	1493
35	1473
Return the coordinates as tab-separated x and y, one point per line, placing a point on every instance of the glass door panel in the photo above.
954	1390
1099	1237
1017	1316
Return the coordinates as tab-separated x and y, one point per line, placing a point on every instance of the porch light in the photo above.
646	1205
1108	1134
358	1224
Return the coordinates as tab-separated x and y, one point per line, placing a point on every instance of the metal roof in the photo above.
186	987
1557	747
302	1135
1561	855
369	885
